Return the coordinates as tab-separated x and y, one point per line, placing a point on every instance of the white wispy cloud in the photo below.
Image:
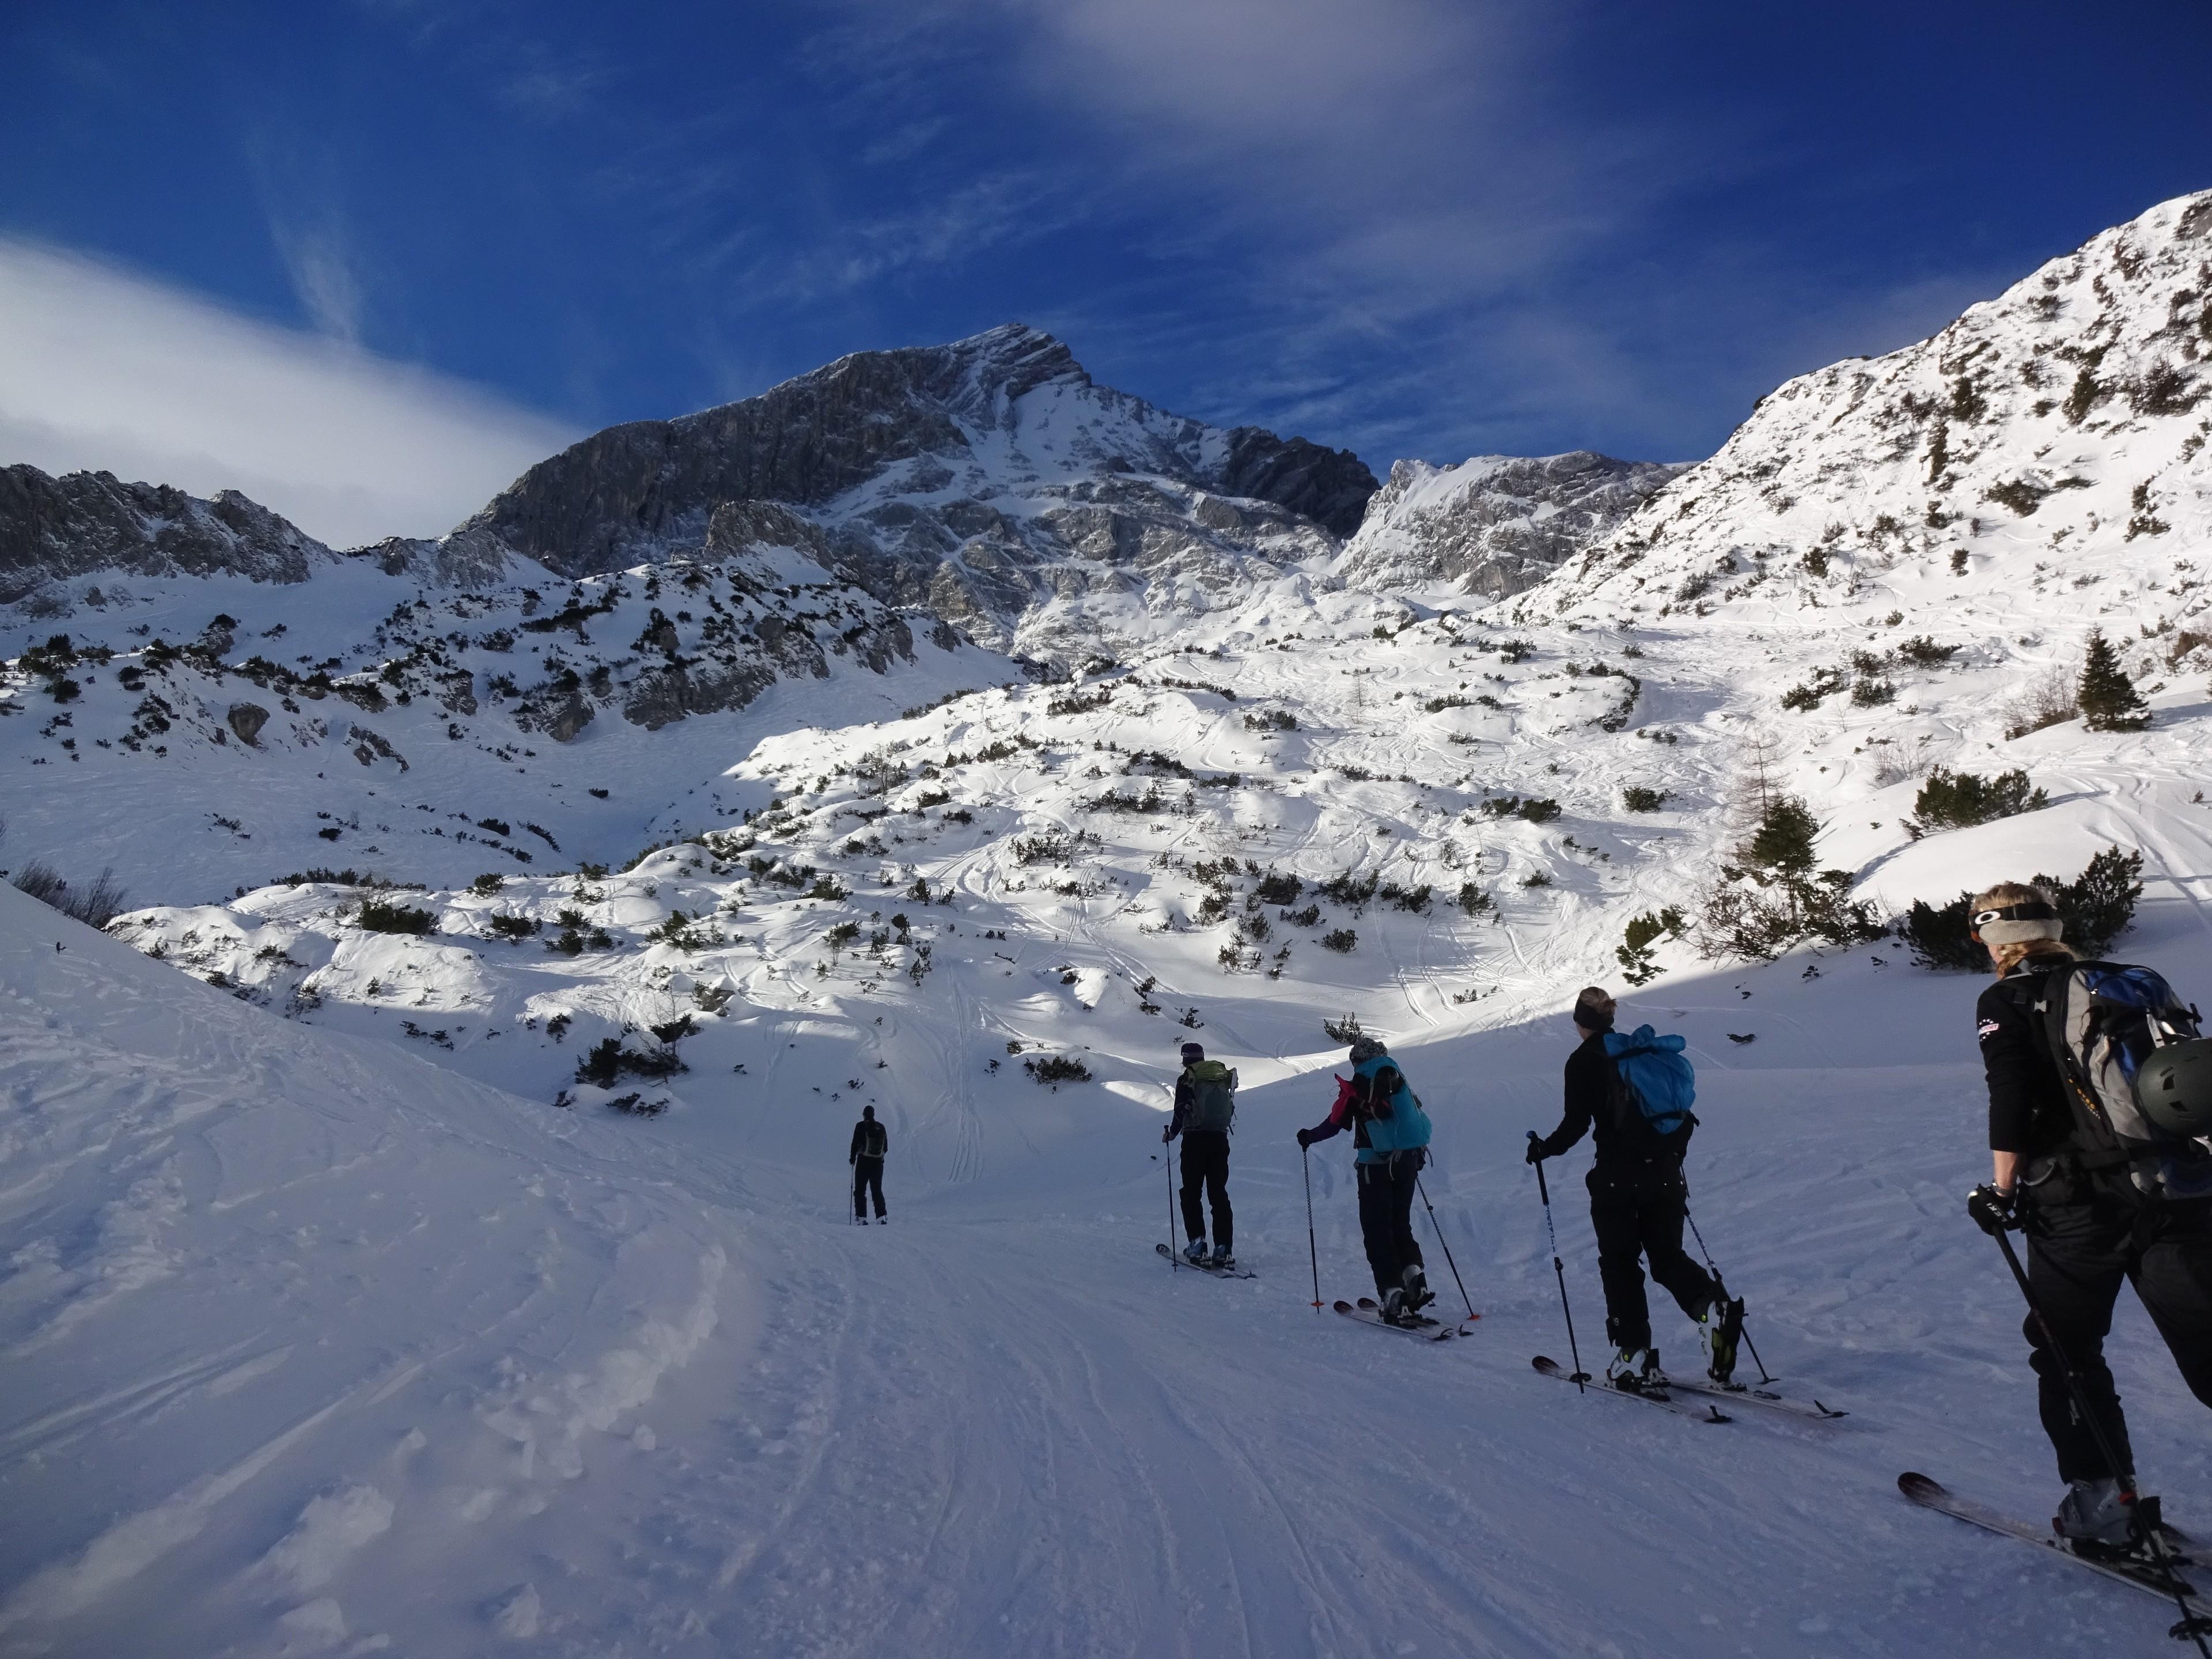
105	369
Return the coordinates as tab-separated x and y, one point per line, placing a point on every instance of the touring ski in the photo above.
1744	1395
1705	1412
1369	1313
2174	1592
1218	1272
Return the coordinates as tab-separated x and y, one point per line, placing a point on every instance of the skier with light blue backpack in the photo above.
1390	1131
1635	1092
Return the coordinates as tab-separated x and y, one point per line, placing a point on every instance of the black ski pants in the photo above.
2077	1254
1206	1164
1386	1218
1636	1210
867	1177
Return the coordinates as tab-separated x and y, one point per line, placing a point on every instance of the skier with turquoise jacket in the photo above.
1390	1132
1634	1091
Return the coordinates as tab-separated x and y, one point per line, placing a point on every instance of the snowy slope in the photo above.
1007	1430
206	734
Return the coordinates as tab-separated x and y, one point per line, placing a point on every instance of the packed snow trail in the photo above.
311	1343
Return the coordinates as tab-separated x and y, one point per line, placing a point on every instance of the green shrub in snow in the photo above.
1958	800
377	917
2095	909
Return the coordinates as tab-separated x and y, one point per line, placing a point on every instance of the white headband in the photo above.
2018	924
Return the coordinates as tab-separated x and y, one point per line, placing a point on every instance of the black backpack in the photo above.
2101	1021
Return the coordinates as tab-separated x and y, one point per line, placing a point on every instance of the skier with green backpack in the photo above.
1204	1111
1632	1094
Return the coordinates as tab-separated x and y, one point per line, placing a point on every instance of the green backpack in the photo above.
1213	1095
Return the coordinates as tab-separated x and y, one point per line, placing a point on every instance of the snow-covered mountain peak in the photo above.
990	480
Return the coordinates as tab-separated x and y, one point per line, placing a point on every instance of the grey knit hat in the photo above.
1366	1048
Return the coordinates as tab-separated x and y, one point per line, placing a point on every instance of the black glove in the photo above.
1167	1133
1305	1137
1535	1154
1993	1212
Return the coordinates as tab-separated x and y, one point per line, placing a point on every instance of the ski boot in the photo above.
1723	1335
1418	1293
1195	1252
1394	1311
1220	1259
1636	1371
2102	1518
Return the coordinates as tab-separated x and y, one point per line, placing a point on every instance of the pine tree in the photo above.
1783	841
2109	700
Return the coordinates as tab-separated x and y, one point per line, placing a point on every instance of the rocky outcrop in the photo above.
54	529
368	748
1329	486
1497	525
247	719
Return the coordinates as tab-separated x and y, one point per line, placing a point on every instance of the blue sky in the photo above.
1432	228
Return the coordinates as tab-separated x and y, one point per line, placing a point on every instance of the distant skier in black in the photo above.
1205	1109
2059	1174
870	1142
1637	1203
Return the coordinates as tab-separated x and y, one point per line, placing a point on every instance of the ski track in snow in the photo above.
998	1425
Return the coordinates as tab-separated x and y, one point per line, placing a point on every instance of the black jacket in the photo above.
2028	1110
869	1140
1590	1080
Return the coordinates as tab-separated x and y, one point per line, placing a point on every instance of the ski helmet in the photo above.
2173	1086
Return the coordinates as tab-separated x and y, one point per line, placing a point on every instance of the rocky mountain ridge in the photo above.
990	481
2054	439
54	529
1494	525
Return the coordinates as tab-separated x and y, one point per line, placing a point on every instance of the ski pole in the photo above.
1174	1264
1719	1283
1439	1232
2191	1626
1313	1252
1559	1267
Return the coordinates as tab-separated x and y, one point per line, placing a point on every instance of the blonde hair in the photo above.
1594	1009
2006	958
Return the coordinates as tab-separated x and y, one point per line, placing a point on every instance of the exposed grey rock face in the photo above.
1497	525
54	529
990	482
247	719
